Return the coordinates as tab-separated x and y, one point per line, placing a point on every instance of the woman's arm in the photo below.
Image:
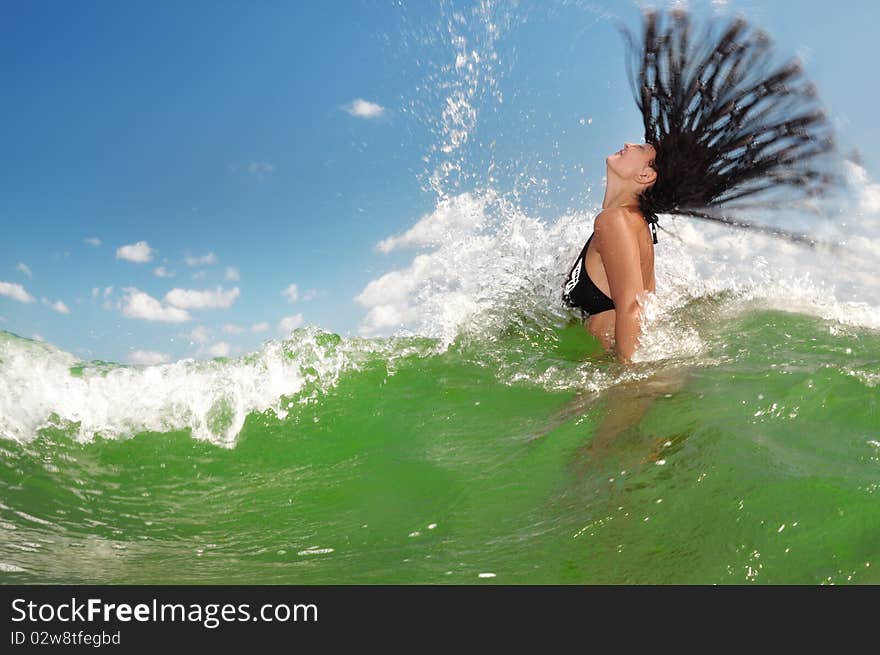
617	243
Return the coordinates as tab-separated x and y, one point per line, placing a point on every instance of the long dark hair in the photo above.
726	128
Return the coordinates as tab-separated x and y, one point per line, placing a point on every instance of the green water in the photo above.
758	462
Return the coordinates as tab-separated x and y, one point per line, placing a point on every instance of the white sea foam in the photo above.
11	568
482	260
39	389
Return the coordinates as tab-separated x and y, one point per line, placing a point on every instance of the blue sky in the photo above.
214	152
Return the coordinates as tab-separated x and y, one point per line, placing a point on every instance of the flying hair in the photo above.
730	132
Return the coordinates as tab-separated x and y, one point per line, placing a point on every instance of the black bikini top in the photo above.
580	291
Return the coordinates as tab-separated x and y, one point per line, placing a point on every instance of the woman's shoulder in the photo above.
618	218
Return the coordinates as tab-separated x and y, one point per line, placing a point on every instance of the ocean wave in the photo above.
43	386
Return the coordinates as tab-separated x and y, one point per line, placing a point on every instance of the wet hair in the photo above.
727	129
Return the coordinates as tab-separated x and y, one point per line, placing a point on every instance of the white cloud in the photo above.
199	275
457	276
259	327
231	328
58	306
93	241
95	292
163	272
36	336
147	357
289	323
2	319
204	260
453	217
15	291
308	295
261	169
108	291
139	252
381	318
396	286
364	108
207	299
232	274
24	269
137	304
219	349
199	335
868	192
291	293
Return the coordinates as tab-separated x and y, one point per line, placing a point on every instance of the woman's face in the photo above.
632	162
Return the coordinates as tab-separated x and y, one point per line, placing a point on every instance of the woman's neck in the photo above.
616	195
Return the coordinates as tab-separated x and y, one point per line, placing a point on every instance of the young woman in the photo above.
616	266
719	128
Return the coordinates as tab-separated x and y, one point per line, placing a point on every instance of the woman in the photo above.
616	266
718	128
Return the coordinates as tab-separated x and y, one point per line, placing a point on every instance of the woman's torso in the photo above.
587	284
